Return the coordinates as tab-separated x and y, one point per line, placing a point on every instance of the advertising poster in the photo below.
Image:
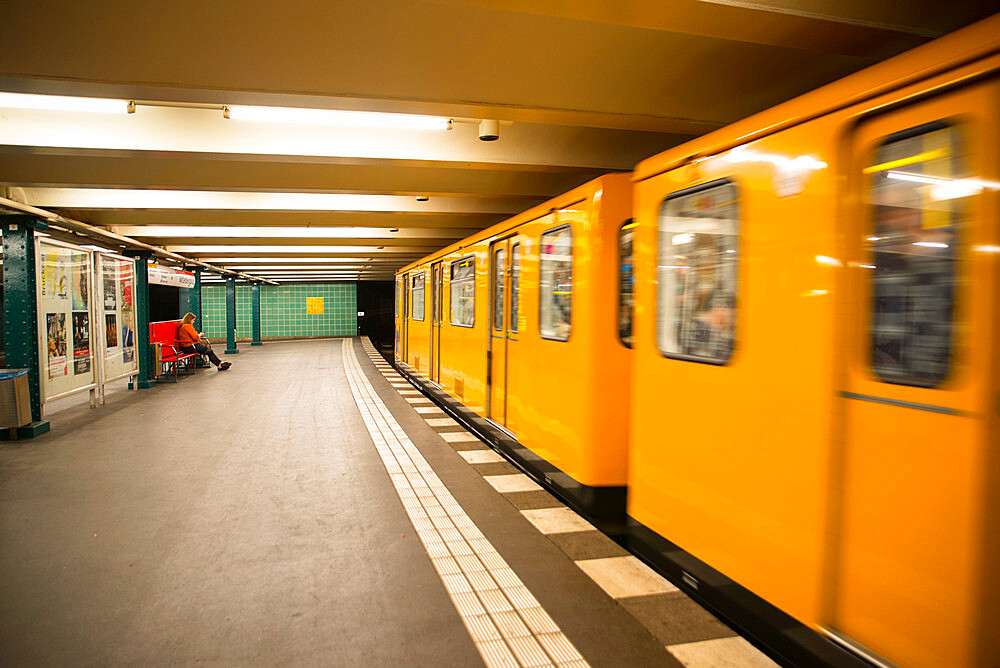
110	288
126	283
118	341
111	330
81	281
54	282
128	335
56	335
81	342
66	294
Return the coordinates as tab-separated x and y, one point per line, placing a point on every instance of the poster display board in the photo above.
115	317
65	318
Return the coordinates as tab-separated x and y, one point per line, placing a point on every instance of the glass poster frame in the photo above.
64	295
114	281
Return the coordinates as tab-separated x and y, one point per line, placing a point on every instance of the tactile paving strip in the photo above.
691	634
506	623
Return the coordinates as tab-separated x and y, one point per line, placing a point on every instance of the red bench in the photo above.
163	335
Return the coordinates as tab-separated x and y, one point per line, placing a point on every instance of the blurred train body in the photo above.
804	407
472	331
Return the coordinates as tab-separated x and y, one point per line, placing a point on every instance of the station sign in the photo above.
172	277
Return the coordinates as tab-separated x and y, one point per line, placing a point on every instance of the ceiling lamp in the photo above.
65	103
353	119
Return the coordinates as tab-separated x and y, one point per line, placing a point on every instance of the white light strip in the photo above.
295	249
62	103
288	260
239	200
350	119
319	267
259	232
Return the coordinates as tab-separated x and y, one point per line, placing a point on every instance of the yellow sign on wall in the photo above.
314	304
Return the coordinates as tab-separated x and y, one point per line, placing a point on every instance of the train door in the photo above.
404	319
437	294
920	383
397	316
498	343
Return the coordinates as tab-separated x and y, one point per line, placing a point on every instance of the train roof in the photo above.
973	42
567	199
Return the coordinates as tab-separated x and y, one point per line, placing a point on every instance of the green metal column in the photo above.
146	361
20	313
255	320
194	300
231	348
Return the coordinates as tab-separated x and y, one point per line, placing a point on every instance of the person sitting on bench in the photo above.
189	341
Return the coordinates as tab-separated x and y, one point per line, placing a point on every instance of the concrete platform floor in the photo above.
245	517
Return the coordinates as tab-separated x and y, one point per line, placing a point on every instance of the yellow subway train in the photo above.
765	360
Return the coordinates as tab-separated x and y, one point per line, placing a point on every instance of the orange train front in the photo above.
799	395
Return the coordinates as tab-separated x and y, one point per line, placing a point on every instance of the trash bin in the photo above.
15	402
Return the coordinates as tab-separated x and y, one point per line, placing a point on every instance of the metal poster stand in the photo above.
114	281
65	296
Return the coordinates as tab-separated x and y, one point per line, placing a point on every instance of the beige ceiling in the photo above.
582	87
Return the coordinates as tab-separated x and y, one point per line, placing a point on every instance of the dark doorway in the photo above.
164	303
375	299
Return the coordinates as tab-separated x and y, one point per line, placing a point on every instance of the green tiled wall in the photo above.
283	310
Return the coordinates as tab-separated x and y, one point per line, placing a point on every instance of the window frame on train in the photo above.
881	275
629	225
541	273
515	286
461	282
497	286
417	281
661	278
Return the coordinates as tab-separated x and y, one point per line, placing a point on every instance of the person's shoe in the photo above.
224	366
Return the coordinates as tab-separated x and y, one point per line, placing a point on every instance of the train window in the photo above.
417	293
915	202
626	282
555	285
515	292
697	273
462	292
399	287
499	260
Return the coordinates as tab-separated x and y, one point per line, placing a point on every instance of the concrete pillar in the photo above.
255	321
20	313
231	348
147	373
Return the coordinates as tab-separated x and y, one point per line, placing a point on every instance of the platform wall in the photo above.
283	310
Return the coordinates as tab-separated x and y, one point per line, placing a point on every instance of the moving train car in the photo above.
815	377
812	421
517	329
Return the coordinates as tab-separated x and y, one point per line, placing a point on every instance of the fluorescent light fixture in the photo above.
286	232
683	238
350	119
63	103
930	244
281	249
828	261
287	260
285	267
315	280
986	249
